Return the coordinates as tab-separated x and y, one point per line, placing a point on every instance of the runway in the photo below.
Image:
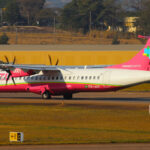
74	47
80	98
80	147
114	100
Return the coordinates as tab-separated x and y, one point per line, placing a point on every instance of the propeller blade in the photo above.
13	80
14	60
7	59
9	74
57	62
8	71
50	60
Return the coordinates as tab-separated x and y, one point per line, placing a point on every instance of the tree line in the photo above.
78	15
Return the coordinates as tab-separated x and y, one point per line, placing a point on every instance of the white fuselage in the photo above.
117	77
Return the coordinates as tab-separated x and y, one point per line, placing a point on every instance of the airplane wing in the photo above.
48	68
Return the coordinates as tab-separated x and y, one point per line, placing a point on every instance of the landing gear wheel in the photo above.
46	95
67	96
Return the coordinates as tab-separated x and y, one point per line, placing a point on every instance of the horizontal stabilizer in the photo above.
143	37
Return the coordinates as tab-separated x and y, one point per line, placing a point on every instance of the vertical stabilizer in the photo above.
139	62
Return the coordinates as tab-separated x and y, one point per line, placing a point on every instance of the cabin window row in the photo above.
56	78
64	78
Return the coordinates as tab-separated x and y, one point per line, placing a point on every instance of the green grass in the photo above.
59	124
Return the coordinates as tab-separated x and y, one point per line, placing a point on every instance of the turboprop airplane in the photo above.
66	80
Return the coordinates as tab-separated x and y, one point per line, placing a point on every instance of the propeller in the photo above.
9	75
57	62
6	59
50	60
8	70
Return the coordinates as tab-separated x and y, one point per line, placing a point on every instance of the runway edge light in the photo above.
16	136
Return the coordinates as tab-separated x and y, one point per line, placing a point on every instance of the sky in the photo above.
56	3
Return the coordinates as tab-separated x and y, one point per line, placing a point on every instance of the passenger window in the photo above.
56	78
48	77
70	78
94	77
78	77
74	78
82	77
86	78
98	77
52	78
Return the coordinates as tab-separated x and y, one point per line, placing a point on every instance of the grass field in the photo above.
63	37
60	124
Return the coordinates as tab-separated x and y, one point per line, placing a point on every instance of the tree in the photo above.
4	39
12	13
30	9
46	17
132	8
112	14
3	3
143	23
80	14
88	14
135	5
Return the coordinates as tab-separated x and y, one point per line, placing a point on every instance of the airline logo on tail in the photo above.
147	52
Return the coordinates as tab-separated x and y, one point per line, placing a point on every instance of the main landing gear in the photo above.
46	95
67	96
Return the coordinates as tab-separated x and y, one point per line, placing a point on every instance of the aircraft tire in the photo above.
67	96
46	95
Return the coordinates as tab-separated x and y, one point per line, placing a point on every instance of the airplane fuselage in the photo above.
75	80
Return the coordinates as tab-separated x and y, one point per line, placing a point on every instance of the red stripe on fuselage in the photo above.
58	88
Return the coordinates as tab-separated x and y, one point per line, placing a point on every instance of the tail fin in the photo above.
139	62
